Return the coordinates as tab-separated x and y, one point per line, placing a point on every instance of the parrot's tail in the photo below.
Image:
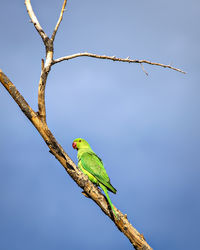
108	198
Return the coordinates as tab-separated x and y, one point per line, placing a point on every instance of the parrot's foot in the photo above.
84	193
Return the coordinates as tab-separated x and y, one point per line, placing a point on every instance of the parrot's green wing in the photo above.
94	165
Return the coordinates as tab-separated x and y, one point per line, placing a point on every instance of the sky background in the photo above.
145	128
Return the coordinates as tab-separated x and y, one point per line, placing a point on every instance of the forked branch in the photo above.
136	239
46	66
38	119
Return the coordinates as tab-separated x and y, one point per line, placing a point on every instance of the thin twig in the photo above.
35	21
59	20
114	58
144	69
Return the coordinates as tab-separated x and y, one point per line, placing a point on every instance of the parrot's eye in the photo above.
79	140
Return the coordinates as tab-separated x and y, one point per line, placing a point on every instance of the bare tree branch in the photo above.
114	58
35	20
18	98
38	119
46	66
136	239
59	20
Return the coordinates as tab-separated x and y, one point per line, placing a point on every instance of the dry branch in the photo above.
82	180
45	69
38	119
59	20
34	20
114	58
46	66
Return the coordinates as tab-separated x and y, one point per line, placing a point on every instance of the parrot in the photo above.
91	165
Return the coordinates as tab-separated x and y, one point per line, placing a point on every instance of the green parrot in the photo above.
91	165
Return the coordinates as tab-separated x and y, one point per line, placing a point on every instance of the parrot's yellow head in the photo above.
80	143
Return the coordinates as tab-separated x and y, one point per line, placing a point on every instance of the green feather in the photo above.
91	162
91	165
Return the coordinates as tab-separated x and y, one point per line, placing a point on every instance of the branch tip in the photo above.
59	20
35	21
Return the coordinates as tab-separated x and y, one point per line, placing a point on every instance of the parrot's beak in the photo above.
74	145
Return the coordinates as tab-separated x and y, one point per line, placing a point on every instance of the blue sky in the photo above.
146	129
